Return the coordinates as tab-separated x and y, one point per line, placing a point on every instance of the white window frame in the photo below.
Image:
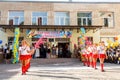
42	19
60	17
15	17
36	17
110	24
86	18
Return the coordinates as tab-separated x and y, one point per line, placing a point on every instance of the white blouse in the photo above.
101	49
24	50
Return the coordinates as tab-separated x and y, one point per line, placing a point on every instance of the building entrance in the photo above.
62	44
64	50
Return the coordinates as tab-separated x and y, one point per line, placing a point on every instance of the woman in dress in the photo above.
25	56
102	54
84	59
54	51
48	51
90	50
95	55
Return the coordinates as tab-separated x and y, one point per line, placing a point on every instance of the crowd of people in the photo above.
7	53
113	54
44	51
52	51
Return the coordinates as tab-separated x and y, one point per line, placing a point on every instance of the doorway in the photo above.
63	50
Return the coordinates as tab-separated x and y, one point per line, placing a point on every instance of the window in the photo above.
108	18
39	18
106	39
16	17
105	21
84	19
51	39
11	40
62	18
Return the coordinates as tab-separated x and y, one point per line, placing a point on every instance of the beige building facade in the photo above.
106	15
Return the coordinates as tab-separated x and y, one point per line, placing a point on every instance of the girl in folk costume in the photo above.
87	56
25	56
90	50
102	54
84	60
95	55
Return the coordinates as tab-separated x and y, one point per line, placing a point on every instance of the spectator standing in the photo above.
48	51
53	51
57	51
5	51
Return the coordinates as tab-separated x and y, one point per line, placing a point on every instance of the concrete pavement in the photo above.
64	70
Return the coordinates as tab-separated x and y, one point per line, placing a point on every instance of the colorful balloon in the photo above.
82	30
116	38
0	41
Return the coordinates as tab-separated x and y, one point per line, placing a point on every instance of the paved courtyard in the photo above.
59	69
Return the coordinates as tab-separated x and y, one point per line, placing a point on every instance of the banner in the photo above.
48	34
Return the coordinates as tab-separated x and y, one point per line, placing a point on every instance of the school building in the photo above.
101	21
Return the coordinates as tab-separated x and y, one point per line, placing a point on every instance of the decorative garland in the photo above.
16	45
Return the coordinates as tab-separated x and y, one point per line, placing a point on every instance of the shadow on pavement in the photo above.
51	72
54	76
8	70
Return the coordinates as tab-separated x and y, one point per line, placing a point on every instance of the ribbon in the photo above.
38	43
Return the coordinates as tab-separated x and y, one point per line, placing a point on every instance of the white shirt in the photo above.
7	51
90	49
87	52
11	47
101	49
94	50
5	47
56	51
37	53
84	51
24	50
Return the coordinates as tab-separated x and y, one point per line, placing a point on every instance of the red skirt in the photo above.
87	55
90	54
25	57
83	55
95	56
102	56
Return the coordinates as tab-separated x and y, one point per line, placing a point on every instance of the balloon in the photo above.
116	38
86	38
116	43
88	42
80	36
83	30
0	41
